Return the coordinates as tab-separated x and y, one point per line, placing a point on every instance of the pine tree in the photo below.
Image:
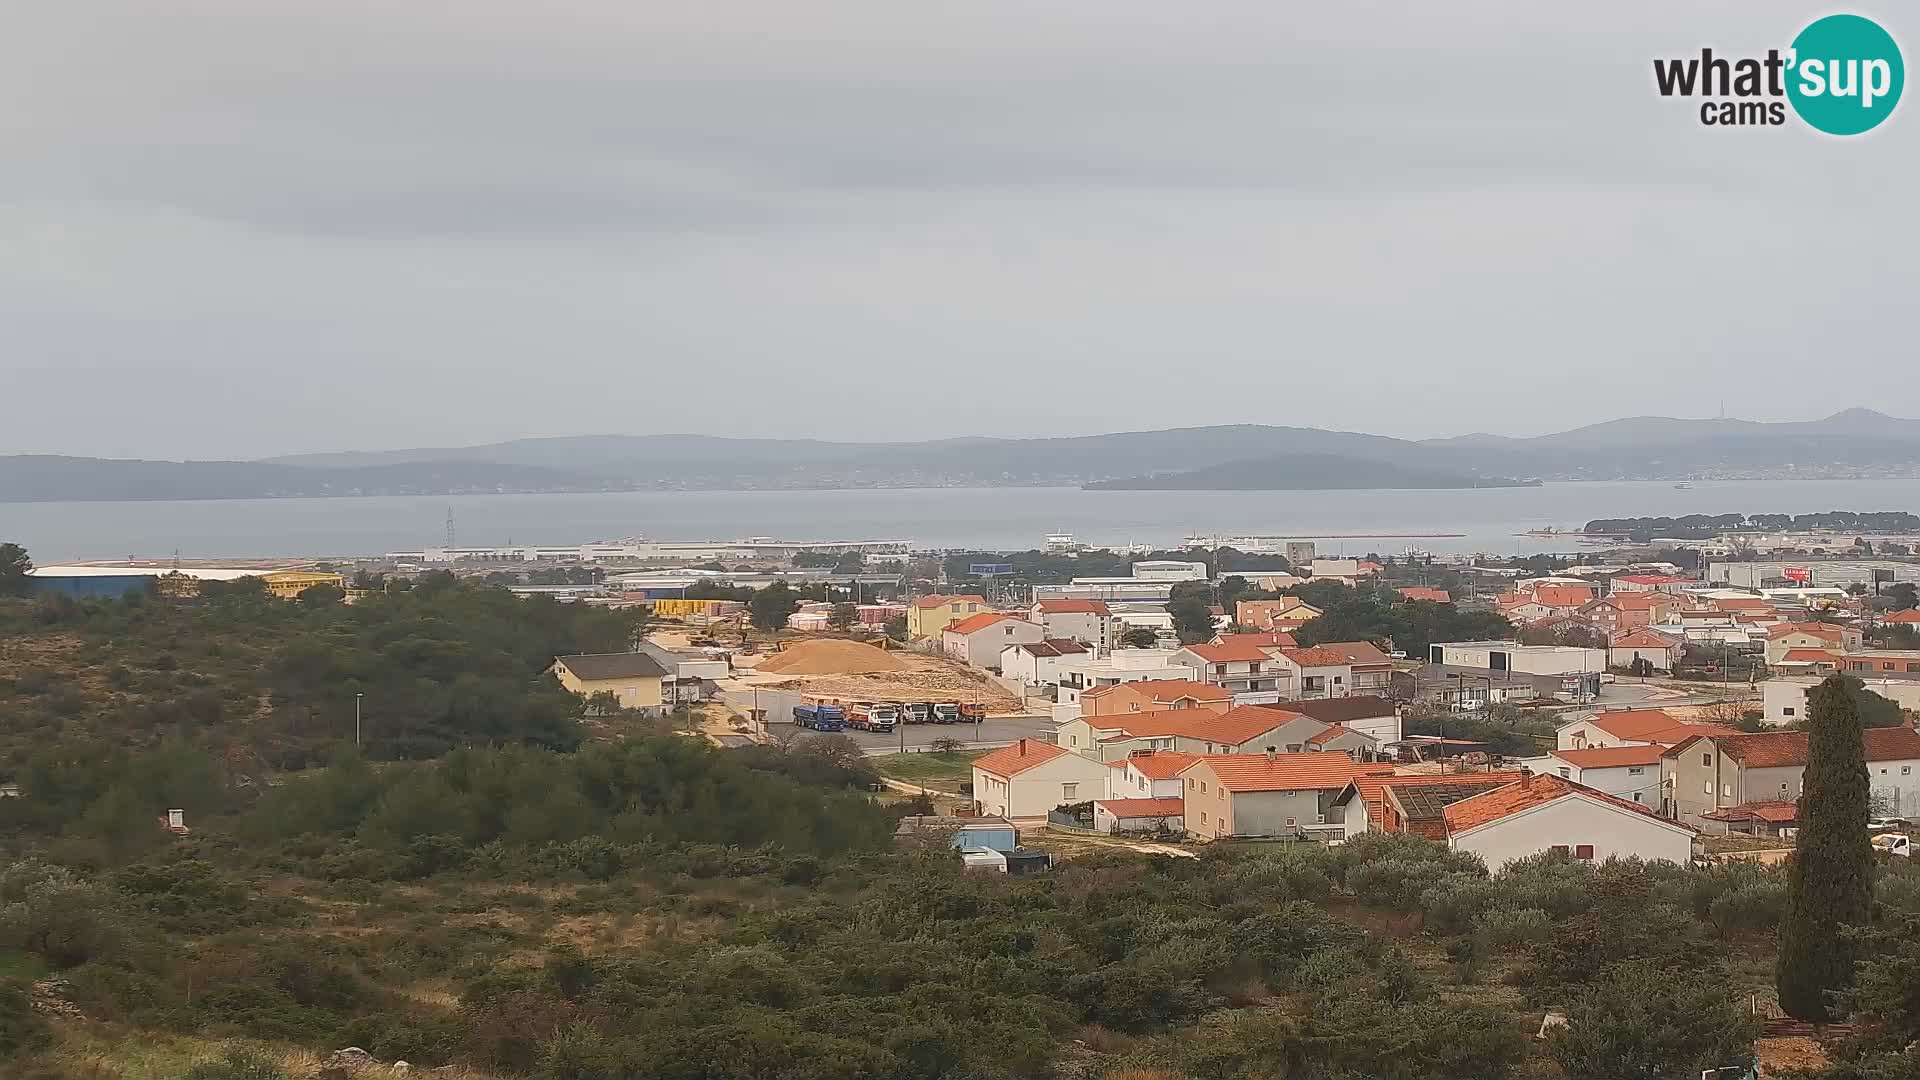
1830	884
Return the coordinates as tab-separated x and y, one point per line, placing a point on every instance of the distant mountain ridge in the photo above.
1301	472
1852	442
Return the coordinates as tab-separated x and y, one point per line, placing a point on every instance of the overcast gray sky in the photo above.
238	229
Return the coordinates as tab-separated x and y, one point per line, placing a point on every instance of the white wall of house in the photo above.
1586	735
1022	666
1784	701
1661	659
1067	778
982	648
1634	783
1105	822
1086	627
1573	820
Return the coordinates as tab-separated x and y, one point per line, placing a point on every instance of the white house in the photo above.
1139	815
1644	644
1089	622
1785	700
978	640
1029	778
1630	727
1036	663
1368	714
1513	656
1148	774
1082	673
1629	772
1549	813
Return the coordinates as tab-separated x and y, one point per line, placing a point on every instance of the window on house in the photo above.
1568	773
1289	823
1635	770
1223	794
1203	817
1706	787
1636	796
1788	711
1583	851
1203	785
1906	770
1726	791
1068	791
1559	849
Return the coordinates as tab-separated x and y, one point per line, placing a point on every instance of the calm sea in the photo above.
1487	520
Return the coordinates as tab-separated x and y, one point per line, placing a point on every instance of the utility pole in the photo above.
356	720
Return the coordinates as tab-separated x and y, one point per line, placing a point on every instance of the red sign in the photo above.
1796	573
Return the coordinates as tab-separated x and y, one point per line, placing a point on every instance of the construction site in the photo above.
843	670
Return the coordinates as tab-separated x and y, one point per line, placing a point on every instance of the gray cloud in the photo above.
230	229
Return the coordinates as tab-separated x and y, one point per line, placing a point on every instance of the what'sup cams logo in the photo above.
1842	75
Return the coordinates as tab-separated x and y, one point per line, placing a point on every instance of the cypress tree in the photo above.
1830	884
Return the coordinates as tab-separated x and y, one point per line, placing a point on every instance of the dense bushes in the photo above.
572	812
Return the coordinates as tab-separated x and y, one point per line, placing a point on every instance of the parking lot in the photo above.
998	731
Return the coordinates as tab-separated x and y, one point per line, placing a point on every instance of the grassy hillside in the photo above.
499	901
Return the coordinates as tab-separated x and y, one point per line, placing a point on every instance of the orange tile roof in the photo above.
1237	653
1373	789
1167	690
1073	607
1233	727
1527	793
1333	732
1285	772
1785	749
1611	757
1632	723
1273	639
1827	631
1158	764
1774	812
974	623
1010	761
1171	806
1633	601
1652	579
1902	616
1316	656
1421	592
1811	656
1643	639
1356	652
1562	595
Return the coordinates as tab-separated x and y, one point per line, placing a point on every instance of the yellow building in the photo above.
634	679
929	616
289	584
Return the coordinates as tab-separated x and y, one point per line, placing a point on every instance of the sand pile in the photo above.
830	657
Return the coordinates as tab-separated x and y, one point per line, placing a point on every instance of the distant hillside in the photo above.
38	478
1855	442
1300	472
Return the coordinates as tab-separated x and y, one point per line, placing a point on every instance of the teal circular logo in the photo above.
1846	74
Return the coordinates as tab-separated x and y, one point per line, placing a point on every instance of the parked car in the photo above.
1886	824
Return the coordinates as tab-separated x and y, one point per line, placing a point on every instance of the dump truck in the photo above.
946	712
916	712
873	716
819	717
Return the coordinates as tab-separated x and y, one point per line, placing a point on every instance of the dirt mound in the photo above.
831	657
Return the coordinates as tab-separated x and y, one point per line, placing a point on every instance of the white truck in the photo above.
1899	844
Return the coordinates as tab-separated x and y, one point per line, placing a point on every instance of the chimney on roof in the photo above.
1526	779
1272	757
1023	748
